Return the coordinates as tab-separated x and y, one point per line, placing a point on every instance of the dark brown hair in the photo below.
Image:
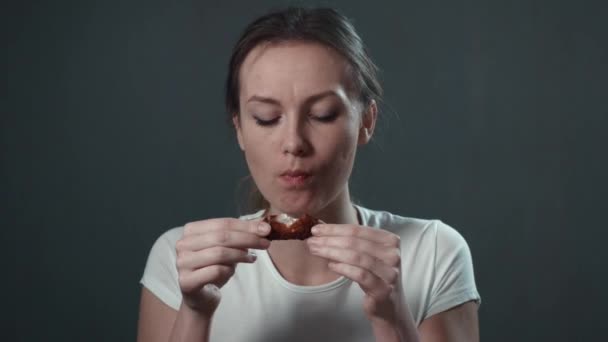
320	25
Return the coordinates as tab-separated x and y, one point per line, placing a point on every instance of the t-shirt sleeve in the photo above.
160	274
454	279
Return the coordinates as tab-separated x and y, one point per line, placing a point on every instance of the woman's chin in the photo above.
294	208
291	211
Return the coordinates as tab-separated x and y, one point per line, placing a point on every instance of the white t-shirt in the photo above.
259	305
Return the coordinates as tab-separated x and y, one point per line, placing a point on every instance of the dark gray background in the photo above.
113	131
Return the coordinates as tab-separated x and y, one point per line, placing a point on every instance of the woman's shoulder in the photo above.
391	221
171	236
165	243
407	226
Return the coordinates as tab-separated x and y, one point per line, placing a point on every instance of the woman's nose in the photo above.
295	141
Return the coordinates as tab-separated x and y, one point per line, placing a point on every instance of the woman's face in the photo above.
299	124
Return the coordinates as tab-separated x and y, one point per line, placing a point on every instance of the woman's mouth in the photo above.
295	178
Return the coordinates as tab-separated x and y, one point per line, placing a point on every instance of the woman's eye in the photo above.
261	122
326	117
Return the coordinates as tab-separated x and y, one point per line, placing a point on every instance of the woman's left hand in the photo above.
372	258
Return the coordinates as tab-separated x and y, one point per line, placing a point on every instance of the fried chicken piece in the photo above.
285	227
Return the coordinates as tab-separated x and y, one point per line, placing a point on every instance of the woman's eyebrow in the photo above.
269	100
309	100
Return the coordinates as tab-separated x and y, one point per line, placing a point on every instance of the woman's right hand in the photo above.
207	255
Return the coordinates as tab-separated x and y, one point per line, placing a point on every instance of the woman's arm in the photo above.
160	323
459	324
454	325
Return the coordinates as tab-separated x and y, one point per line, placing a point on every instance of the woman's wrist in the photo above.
197	315
385	331
191	325
394	330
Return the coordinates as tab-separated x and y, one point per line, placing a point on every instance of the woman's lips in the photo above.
295	178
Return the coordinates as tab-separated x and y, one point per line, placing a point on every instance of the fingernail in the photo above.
252	257
263	227
315	230
312	240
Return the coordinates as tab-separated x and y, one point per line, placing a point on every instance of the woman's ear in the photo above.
368	123
236	122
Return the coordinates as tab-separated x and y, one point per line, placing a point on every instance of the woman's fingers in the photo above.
256	226
364	261
217	275
389	255
371	284
367	233
207	255
226	232
369	256
213	256
225	238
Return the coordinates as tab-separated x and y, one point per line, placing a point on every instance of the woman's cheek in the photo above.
340	159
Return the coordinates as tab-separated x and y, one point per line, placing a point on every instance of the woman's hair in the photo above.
320	25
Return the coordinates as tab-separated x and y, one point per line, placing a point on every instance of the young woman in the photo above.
302	95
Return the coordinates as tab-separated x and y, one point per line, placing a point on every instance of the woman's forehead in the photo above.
293	70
